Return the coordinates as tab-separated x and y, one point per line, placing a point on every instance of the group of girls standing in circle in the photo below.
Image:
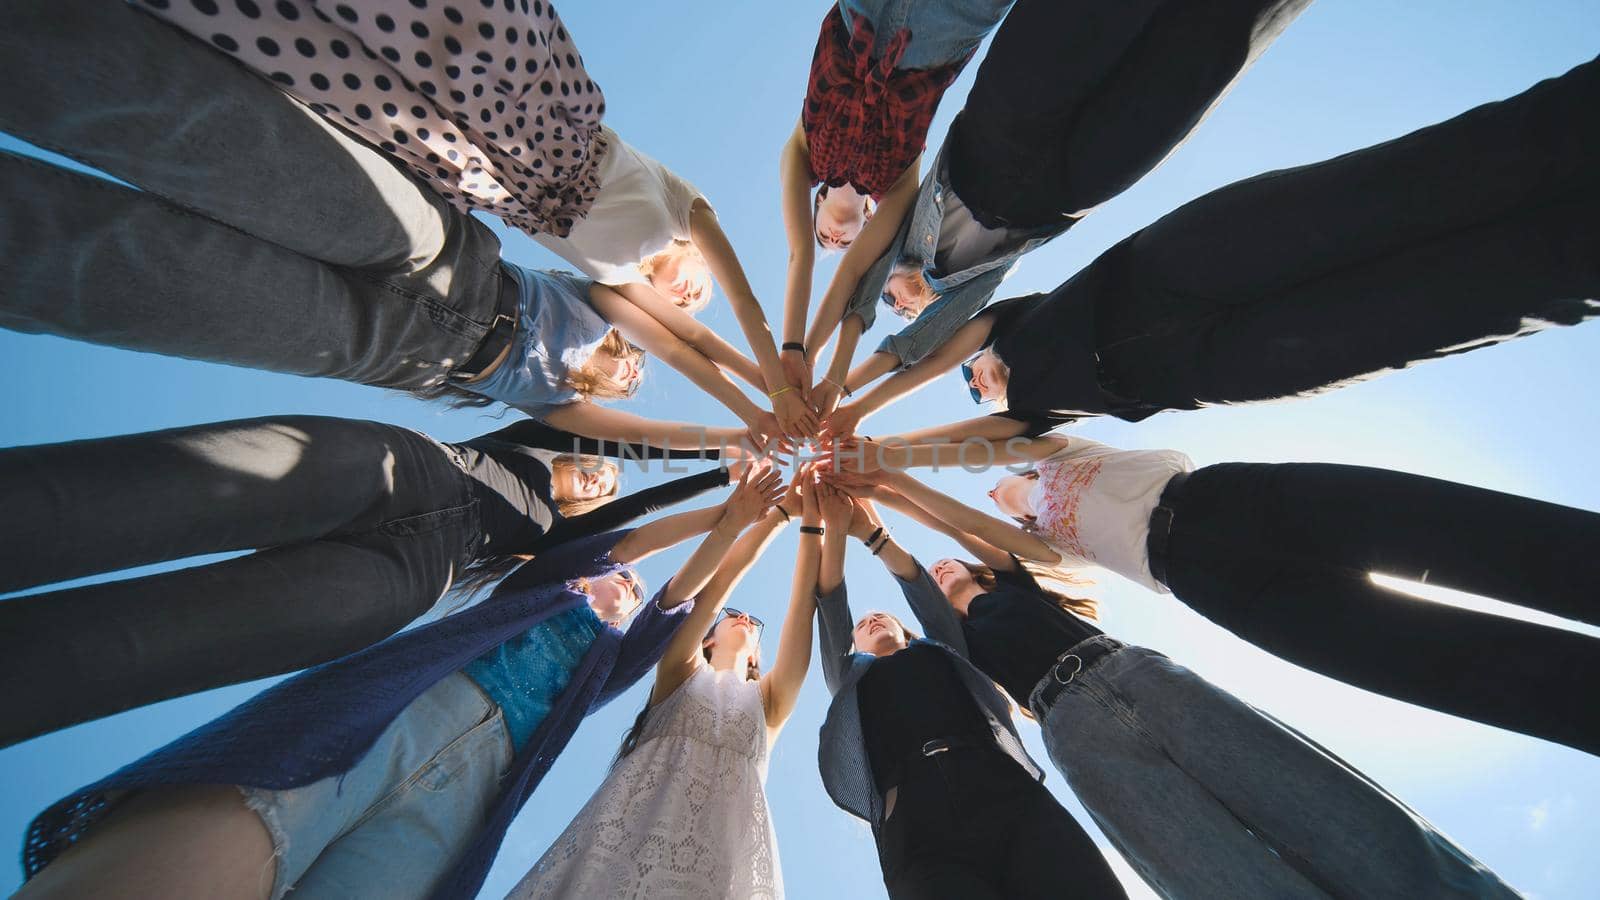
299	180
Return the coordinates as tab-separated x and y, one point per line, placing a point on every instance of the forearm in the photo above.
831	572
991	428
829	315
875	366
702	563
845	349
724	263
1003	535
623	510
653	537
592	420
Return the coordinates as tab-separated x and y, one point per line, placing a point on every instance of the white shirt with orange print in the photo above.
1093	504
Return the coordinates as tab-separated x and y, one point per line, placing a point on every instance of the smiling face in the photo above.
879	633
615	597
682	275
952	578
623	370
908	293
736	633
841	214
989	376
579	483
1013	494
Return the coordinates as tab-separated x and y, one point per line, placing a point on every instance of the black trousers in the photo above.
363	526
1279	554
969	824
1077	100
1463	234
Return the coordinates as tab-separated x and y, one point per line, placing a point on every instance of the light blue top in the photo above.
962	294
526	674
557	331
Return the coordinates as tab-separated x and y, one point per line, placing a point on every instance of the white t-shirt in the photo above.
1093	504
642	207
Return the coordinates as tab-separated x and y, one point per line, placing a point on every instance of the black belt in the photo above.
1161	528
499	335
1069	664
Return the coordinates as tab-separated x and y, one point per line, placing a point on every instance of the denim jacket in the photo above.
961	294
842	748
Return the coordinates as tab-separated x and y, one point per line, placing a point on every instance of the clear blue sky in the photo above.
712	89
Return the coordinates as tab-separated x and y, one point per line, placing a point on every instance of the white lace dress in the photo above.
684	815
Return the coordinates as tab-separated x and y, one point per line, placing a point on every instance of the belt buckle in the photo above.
935	746
1055	670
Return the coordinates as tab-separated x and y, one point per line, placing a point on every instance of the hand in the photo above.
863	518
791	497
797	372
857	455
843	422
810	511
794	414
825	396
835	507
765	436
759	490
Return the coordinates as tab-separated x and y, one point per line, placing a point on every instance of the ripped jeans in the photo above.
394	824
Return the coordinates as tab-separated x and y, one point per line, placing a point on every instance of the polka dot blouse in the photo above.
485	100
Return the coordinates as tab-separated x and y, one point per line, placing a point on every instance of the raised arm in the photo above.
792	411
876	239
691	331
757	492
825	396
683	655
799	230
623	510
989	428
534	433
780	687
856	454
603	423
986	553
967	340
642	328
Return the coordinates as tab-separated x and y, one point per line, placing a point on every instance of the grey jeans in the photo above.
1208	797
363	524
263	236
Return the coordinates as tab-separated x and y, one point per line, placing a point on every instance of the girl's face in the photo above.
989	376
879	634
908	295
840	217
683	277
737	632
615	597
1013	494
624	370
578	483
952	577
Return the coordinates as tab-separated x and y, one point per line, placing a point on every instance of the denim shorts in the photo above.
396	823
942	31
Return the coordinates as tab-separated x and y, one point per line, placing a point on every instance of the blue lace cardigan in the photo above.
319	723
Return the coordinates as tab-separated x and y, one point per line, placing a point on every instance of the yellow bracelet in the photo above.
773	395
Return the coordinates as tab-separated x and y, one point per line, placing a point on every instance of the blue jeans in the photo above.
942	31
394	824
263	236
1208	797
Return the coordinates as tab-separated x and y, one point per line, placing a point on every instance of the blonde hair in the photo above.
571	464
912	273
590	382
682	250
585	586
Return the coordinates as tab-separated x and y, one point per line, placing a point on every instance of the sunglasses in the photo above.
729	612
966	375
634	586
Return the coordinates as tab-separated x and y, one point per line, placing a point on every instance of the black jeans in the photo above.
1077	100
364	525
1460	235
1278	554
968	823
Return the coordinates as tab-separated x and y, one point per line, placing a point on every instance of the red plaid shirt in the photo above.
865	120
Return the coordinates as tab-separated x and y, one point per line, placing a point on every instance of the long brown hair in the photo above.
1086	607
